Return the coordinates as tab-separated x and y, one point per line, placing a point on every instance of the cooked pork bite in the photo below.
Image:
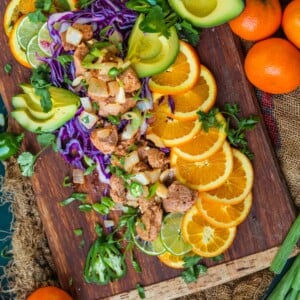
117	189
130	81
180	198
81	51
108	106
85	29
105	139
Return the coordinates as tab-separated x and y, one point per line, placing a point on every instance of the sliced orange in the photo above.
181	76
237	186
171	131
11	15
206	239
15	48
201	97
203	144
224	215
26	6
173	261
207	174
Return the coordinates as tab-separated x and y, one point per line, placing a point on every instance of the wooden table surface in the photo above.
257	238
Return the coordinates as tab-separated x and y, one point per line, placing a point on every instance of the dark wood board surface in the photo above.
270	217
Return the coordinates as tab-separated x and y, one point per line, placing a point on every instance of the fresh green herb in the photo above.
188	33
136	189
44	5
5	252
62	5
70	281
65	59
218	258
41	81
103	32
193	268
152	190
78	231
84	3
100	208
114	72
141	291
75	196
37	16
67	80
119	172
91	165
236	133
67	182
122	161
26	161
85	207
47	139
8	68
10	144
108	202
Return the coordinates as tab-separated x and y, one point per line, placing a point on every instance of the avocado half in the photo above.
217	12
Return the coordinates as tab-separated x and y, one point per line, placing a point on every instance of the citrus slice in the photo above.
26	30
151	248
201	97
206	174
171	131
206	239
237	186
224	215
174	261
171	236
15	48
14	10
44	39
181	76
203	144
34	52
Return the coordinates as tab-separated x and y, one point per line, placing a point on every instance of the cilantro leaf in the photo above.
84	3
26	161
208	119
46	101
37	16
44	5
141	291
190	261
188	33
65	59
47	139
191	274
8	68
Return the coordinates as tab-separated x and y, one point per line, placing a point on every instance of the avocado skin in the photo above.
30	115
224	12
159	63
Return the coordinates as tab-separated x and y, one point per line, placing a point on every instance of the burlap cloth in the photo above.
32	265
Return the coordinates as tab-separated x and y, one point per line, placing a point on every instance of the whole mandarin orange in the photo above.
291	22
259	20
49	293
273	66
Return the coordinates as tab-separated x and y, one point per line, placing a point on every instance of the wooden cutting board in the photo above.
257	238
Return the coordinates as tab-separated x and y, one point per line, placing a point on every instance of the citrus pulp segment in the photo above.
237	186
206	239
181	76
203	144
206	174
224	215
171	236
173	261
15	48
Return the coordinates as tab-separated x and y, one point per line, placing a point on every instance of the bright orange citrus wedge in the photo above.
206	239
203	144
237	186
224	215
180	76
173	261
206	174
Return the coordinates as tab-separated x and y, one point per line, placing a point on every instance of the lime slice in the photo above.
171	236
33	52
26	31
44	39
151	248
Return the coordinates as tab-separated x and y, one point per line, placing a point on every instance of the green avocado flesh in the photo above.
30	115
203	13
151	53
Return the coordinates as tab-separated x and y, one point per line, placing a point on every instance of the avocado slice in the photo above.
59	96
60	116
23	101
151	53
203	13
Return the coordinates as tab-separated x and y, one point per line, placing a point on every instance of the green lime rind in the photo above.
44	39
26	31
171	236
33	51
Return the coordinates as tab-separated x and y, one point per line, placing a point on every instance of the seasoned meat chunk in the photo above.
117	189
151	223
157	159
108	106
85	29
130	80
180	198
97	89
140	167
81	51
105	139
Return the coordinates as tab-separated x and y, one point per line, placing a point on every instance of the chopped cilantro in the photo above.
8	68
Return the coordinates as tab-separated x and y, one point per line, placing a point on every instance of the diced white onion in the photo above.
109	223
86	104
87	119
141	178
153	175
121	96
78	176
77	80
130	161
73	36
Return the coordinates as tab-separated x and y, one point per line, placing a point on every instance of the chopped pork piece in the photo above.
81	51
130	80
85	29
108	106
152	220
105	139
180	198
140	167
117	189
143	153
97	89
67	46
157	159
113	87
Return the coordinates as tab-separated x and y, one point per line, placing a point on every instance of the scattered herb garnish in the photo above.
26	160
236	127
8	68
65	59
67	182
218	258
141	291
75	196
115	120
193	268
84	3
78	231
